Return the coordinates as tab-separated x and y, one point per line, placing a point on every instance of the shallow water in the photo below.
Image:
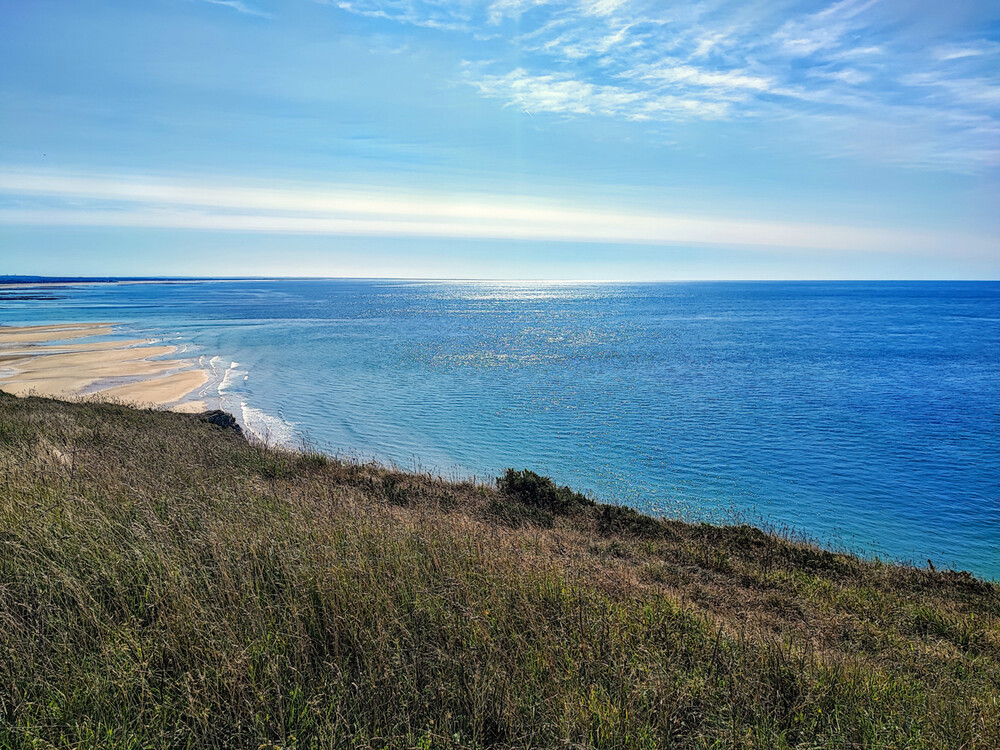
866	415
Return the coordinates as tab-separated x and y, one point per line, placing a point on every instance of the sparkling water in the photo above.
862	415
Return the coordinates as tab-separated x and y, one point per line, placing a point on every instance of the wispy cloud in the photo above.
241	7
602	7
850	60
552	93
708	80
980	48
562	94
51	199
498	10
850	76
826	29
431	15
976	91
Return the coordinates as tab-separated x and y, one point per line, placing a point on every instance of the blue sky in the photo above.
568	139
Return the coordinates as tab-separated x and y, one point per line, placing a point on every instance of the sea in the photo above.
863	416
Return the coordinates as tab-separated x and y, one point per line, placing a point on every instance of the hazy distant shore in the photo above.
64	361
41	280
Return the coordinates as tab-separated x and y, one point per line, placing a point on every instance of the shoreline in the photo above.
62	361
681	449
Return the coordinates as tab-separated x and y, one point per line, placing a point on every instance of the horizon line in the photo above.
33	279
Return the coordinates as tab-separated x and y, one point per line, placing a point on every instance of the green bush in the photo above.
515	515
532	489
619	519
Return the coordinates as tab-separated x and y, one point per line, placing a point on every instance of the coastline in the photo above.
702	428
62	361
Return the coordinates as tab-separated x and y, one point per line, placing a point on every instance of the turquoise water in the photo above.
865	415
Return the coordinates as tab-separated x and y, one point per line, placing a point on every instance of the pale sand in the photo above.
160	391
82	360
191	407
73	346
31	334
74	368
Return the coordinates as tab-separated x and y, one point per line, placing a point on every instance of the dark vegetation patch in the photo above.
515	514
620	519
166	584
529	488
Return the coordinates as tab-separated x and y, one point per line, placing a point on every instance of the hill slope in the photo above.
165	584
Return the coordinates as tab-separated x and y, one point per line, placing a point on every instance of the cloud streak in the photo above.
562	94
48	199
240	7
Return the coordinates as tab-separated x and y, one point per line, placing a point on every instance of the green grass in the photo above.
165	584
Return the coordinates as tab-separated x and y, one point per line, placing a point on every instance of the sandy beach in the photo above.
59	361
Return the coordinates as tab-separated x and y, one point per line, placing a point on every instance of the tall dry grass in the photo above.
163	583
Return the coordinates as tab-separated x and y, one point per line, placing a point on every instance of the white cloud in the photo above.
551	93
602	7
962	51
843	10
663	63
973	91
346	210
823	30
708	43
562	94
850	76
241	7
678	107
500	9
854	53
430	15
576	46
689	75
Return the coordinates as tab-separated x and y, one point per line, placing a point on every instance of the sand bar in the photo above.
165	390
190	407
30	363
73	346
32	334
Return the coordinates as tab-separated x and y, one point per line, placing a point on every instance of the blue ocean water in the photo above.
865	415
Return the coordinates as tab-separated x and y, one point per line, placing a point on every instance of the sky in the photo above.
516	139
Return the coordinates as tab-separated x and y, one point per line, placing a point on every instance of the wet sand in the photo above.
166	390
32	334
53	360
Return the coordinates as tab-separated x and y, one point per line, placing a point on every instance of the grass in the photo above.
164	584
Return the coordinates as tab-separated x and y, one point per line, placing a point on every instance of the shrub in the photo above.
515	515
619	519
532	489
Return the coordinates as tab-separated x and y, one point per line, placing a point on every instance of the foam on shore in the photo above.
256	423
266	427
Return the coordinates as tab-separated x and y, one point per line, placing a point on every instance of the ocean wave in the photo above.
258	424
266	427
233	373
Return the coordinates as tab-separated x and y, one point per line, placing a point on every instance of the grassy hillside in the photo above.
165	584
